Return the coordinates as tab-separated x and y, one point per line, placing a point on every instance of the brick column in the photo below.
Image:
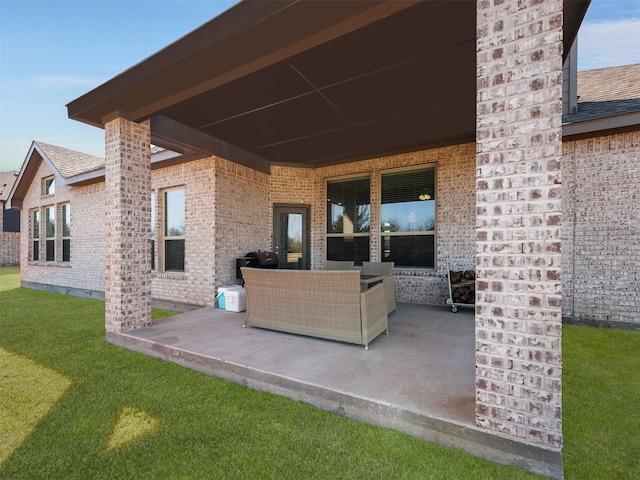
127	224
519	148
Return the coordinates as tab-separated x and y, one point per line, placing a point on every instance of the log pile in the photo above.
463	286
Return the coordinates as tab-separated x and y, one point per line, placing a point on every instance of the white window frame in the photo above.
154	240
49	185
50	238
35	234
165	235
65	206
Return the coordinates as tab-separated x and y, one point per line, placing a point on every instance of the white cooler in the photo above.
235	300
232	298
223	294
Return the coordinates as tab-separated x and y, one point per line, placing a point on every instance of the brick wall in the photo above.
227	215
196	284
601	225
455	231
242	217
241	221
599	179
295	186
217	231
604	196
518	287
86	268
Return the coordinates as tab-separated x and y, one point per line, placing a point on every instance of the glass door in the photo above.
291	236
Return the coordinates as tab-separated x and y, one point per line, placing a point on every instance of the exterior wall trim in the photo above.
73	291
601	126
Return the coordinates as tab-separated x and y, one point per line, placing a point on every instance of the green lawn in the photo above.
601	382
116	414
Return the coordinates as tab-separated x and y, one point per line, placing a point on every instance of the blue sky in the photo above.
52	52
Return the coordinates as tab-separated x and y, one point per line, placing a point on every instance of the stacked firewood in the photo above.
463	286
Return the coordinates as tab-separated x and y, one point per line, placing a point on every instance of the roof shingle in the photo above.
70	163
7	179
606	92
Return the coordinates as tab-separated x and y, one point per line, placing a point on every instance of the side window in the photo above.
50	233
174	231
66	232
348	219
408	217
49	185
35	235
153	231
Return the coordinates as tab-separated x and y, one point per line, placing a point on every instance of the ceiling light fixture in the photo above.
424	195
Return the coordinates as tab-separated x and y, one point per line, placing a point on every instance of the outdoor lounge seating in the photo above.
386	270
339	265
323	304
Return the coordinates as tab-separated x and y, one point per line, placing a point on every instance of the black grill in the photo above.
261	259
257	259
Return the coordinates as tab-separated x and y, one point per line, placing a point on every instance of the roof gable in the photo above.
69	167
77	168
69	163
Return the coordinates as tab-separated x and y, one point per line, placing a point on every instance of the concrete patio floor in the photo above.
418	379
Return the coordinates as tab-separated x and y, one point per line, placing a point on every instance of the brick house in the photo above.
603	163
446	146
9	223
592	163
600	178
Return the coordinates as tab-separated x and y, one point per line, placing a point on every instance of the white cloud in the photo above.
609	43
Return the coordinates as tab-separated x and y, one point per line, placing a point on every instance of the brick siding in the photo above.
86	268
455	229
233	223
612	176
518	286
127	225
196	285
242	216
600	229
227	215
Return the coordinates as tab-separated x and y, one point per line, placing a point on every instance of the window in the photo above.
35	235
66	232
50	233
348	219
49	186
153	231
408	217
174	220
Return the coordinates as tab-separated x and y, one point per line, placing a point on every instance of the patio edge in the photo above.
460	436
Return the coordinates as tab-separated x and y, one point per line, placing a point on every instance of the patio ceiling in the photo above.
309	83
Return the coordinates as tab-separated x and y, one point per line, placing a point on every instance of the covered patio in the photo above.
276	91
419	379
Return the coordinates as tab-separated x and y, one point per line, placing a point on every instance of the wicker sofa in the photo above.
324	304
